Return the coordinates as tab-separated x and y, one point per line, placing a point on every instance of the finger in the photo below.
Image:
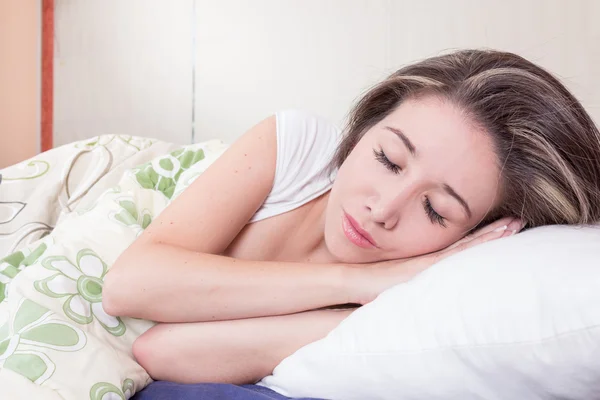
497	225
502	231
493	226
509	223
515	226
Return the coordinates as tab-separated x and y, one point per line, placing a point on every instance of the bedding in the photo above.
34	193
63	225
208	391
516	318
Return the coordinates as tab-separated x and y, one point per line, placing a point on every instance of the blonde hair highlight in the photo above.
546	143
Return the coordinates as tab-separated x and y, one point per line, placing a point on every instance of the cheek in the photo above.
359	172
417	236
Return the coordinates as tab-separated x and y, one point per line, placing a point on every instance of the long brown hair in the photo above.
548	147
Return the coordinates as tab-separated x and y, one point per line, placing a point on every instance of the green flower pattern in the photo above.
14	263
104	140
30	334
81	283
25	337
162	173
130	216
108	391
30	169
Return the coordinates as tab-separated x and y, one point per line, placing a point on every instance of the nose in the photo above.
384	211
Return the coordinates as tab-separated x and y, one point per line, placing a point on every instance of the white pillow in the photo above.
517	318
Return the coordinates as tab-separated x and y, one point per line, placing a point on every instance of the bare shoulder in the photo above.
209	214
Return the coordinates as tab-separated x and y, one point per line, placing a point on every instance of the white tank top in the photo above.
306	144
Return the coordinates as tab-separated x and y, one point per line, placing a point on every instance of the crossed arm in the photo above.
222	319
228	320
235	351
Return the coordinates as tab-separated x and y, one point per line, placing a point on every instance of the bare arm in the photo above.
237	352
179	285
172	273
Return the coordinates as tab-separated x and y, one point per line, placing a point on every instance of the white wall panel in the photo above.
150	67
123	67
562	36
256	57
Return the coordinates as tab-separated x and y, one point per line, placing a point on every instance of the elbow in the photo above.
147	357
118	287
119	284
159	357
195	353
124	287
113	300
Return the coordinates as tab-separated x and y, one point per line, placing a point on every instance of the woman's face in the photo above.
415	183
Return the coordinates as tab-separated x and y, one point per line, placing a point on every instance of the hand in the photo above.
367	281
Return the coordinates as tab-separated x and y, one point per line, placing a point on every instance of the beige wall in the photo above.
197	69
19	79
256	57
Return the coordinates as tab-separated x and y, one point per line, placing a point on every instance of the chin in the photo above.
345	252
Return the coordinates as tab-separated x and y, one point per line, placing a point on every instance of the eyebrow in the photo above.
462	201
411	147
413	151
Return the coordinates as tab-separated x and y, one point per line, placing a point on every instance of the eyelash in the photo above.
431	213
382	158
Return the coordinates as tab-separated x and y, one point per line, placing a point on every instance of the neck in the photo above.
312	232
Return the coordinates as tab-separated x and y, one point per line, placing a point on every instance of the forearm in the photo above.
170	284
238	352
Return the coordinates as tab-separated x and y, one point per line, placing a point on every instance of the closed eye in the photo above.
382	158
432	214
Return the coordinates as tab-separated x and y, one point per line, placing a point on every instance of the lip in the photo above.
355	233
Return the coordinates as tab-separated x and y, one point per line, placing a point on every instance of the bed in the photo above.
514	318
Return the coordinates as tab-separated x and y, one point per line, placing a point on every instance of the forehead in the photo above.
450	147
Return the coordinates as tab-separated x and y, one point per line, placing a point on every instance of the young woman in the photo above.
298	216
